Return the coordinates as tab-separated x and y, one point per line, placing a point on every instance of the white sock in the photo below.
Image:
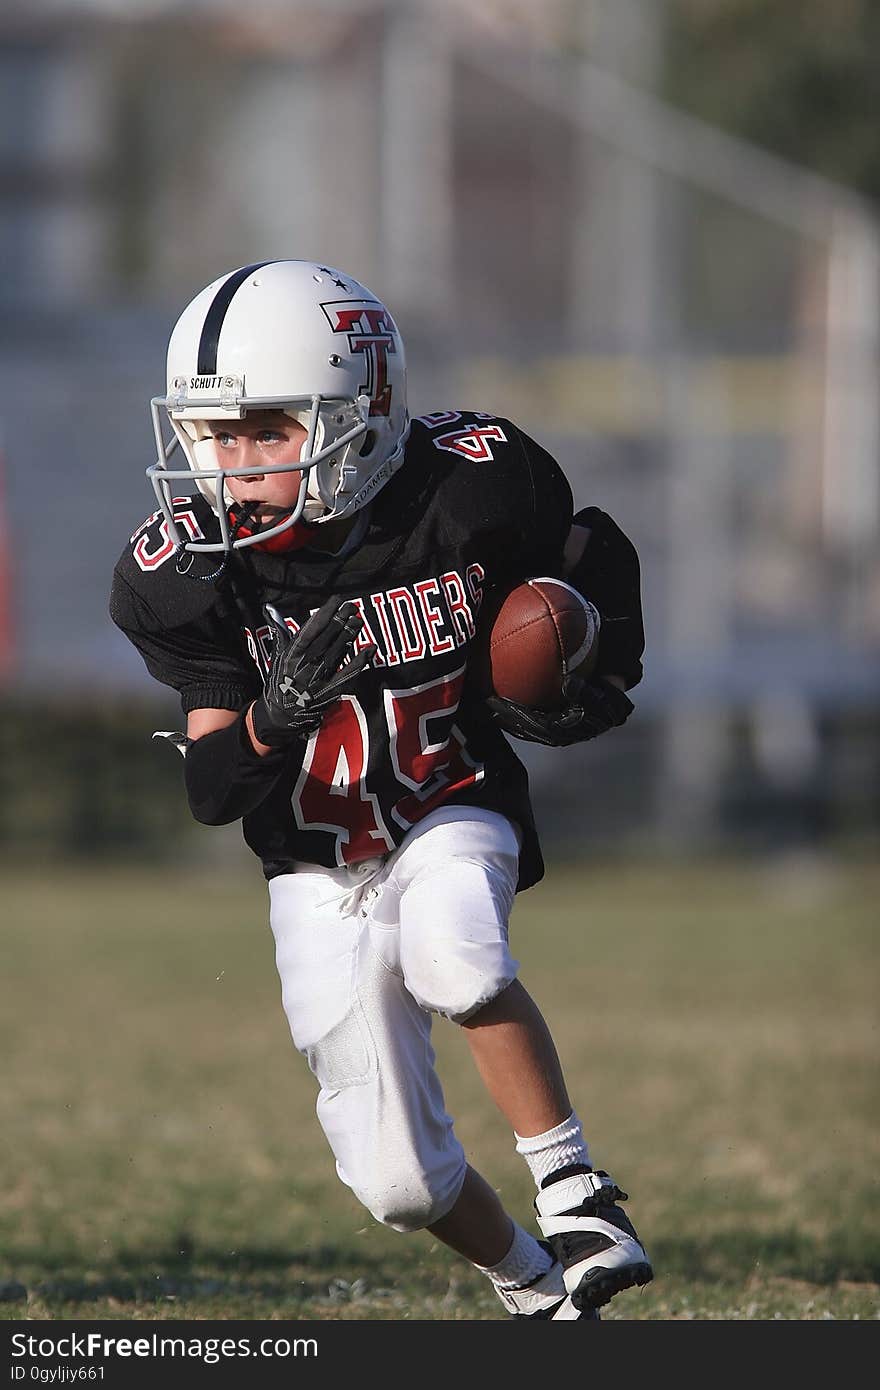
557	1148
524	1262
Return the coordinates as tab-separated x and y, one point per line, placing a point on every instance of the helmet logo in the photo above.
371	331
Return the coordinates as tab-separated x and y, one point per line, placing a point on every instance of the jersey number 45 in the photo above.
427	754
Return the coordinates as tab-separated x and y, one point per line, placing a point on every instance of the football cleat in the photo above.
545	1298
592	1239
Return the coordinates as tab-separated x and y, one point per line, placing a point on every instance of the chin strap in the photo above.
245	525
242	524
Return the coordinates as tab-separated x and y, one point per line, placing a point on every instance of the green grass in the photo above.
161	1159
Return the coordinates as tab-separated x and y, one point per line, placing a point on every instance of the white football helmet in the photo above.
296	336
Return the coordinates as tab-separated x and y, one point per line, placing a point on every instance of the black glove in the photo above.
591	708
304	678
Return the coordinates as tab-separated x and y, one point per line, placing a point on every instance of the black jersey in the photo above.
476	505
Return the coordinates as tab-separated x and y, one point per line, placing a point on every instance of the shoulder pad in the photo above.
473	435
176	586
493	477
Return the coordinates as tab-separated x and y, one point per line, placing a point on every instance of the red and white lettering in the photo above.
261	644
434	617
427	752
412	640
459	607
265	641
473	577
474	442
426	748
371	331
148	559
392	655
436	418
330	792
366	637
154	516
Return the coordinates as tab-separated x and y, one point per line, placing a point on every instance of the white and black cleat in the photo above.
546	1298
593	1240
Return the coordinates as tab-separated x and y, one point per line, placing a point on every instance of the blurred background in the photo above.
647	230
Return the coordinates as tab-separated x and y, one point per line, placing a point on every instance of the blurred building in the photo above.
690	324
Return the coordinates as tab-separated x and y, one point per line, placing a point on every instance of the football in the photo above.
533	636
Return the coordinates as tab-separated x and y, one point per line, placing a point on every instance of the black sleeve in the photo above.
608	574
226	778
548	517
196	658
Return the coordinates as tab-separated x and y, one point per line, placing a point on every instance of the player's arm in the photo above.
603	564
209	721
235	757
185	645
574	547
238	741
228	772
590	551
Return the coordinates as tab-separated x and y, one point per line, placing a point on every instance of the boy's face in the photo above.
263	437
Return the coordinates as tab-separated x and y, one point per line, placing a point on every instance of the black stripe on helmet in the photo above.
207	362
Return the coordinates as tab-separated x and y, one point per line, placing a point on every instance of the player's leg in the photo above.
516	1057
459	878
577	1208
525	1273
367	1041
380	1102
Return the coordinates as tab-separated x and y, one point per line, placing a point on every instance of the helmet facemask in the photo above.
301	338
333	431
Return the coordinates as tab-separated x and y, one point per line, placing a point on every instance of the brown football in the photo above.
535	635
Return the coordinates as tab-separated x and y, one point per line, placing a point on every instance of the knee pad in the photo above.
463	983
408	1204
454	952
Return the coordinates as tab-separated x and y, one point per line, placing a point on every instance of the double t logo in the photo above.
371	331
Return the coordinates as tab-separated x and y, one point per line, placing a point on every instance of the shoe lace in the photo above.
604	1196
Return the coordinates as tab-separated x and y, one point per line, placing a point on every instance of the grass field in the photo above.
161	1159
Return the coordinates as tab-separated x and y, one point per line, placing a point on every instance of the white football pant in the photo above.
366	955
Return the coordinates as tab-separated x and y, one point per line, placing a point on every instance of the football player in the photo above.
311	584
